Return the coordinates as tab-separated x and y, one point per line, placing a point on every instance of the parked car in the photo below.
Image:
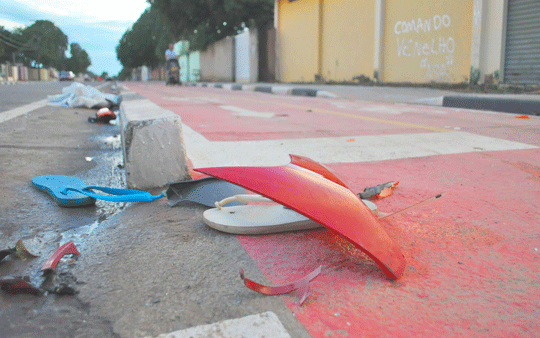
66	76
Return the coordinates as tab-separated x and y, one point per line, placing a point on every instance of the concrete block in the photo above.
304	92
152	144
499	104
282	90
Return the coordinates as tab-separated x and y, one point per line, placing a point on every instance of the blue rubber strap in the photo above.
116	195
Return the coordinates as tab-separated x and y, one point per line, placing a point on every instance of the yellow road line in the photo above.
332	112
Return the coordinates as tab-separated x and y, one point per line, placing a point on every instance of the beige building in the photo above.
415	41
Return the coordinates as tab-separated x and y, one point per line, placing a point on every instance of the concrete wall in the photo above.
415	41
347	39
267	54
194	66
158	73
145	73
490	16
44	74
427	40
15	73
217	61
242	58
23	73
297	36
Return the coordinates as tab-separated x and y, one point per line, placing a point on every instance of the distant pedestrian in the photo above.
172	66
170	54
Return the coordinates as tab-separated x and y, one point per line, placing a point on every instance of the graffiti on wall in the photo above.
415	38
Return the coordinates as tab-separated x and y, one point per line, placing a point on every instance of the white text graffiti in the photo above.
420	48
437	22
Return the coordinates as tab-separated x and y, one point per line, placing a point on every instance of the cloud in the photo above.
10	25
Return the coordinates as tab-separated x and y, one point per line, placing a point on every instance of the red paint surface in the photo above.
472	260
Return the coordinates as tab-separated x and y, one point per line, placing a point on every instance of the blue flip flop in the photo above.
54	185
70	191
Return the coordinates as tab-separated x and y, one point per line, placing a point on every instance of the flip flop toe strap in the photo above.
116	195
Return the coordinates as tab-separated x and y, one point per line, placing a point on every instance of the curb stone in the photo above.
277	89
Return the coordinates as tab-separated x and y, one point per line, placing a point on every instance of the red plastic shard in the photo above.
320	169
16	285
66	249
301	285
323	201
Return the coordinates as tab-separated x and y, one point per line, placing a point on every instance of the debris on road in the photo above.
205	191
66	249
71	191
19	250
78	95
259	219
18	285
411	207
54	185
104	115
301	286
378	191
347	215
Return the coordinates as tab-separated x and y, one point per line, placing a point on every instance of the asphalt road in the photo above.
22	93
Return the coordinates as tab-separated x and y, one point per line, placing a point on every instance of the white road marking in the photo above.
261	325
13	113
198	99
205	153
248	113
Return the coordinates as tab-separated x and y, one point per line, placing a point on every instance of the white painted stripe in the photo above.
431	101
263	325
204	153
248	113
323	93
282	90
13	113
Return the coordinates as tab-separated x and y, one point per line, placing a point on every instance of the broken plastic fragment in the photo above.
204	191
18	285
19	250
66	249
346	215
301	285
378	191
22	252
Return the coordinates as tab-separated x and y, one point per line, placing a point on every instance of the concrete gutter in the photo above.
517	105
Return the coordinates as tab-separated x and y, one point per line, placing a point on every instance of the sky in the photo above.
96	25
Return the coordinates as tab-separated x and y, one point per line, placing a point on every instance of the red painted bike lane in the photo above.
472	257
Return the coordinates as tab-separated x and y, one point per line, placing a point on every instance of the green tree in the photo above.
145	43
79	60
48	43
205	21
12	46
